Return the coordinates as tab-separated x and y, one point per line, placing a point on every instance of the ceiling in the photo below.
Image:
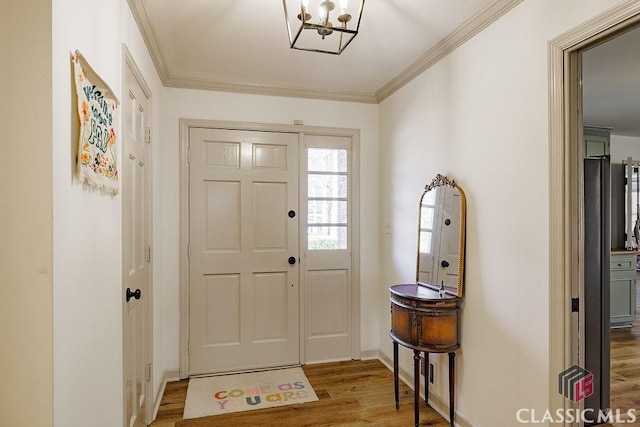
243	45
611	84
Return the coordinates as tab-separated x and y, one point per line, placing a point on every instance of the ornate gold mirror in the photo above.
441	236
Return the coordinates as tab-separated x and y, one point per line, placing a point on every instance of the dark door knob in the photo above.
135	294
444	264
292	214
292	260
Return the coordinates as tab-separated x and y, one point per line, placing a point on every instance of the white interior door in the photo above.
447	262
135	173
328	253
428	245
243	234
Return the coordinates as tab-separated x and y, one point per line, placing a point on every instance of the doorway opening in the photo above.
567	278
610	91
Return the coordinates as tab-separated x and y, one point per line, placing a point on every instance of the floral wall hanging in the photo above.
97	148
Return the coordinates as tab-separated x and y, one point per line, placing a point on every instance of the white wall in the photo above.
480	115
624	146
193	104
87	278
26	368
621	148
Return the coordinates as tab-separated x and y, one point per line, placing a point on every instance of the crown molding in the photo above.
190	83
467	30
485	17
141	17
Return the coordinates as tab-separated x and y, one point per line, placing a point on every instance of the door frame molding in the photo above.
185	125
566	214
129	62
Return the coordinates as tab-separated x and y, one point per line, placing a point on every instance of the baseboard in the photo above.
370	355
168	376
364	355
435	401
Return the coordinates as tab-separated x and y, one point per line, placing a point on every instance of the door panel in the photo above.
244	310
222	215
223	308
270	298
329	290
270	201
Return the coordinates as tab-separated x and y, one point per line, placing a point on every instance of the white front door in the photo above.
135	173
243	246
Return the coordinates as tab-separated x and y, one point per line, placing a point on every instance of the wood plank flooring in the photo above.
354	393
361	393
625	367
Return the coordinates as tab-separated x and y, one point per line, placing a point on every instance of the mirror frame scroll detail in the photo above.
444	181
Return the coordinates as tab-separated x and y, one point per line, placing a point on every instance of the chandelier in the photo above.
330	30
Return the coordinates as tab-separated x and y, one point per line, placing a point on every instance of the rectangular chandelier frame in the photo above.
305	25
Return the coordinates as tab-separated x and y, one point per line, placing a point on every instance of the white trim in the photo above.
345	96
355	247
301	130
370	354
184	241
459	36
128	59
303	213
168	377
151	41
564	260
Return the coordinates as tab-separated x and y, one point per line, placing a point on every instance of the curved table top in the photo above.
418	291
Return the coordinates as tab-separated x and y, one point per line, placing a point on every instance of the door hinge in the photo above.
149	372
188	155
188	250
148	253
148	135
575	305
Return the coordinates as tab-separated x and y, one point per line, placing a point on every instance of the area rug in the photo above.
225	394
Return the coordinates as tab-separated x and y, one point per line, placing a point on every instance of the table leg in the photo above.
452	386
395	374
416	386
426	378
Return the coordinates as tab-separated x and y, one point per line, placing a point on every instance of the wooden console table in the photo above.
424	322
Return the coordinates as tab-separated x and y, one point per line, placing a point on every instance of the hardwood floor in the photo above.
625	367
354	393
361	393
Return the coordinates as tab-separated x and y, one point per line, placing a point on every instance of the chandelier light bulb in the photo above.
326	7
343	6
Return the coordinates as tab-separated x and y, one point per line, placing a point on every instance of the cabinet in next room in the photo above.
623	287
